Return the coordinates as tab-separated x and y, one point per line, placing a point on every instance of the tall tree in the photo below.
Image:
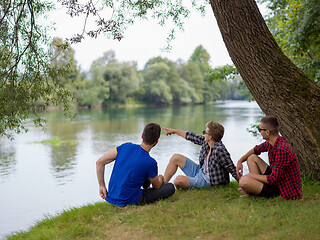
122	80
191	73
181	91
278	86
63	56
26	73
155	83
201	58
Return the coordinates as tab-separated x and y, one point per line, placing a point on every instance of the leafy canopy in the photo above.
123	13
295	25
28	81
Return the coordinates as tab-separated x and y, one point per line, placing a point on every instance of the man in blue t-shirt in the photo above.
134	168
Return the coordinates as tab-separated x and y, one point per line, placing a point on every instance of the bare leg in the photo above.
256	164
250	186
182	182
177	160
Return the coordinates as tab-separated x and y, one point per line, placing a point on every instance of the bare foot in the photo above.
245	196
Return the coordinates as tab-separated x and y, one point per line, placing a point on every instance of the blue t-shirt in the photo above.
133	165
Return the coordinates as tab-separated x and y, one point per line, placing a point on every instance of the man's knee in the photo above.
256	164
166	190
178	181
250	186
252	158
244	182
178	159
181	182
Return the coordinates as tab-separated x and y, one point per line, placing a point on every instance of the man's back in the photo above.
132	167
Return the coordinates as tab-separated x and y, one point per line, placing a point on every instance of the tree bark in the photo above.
278	86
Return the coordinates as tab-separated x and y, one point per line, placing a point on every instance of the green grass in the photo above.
57	142
214	213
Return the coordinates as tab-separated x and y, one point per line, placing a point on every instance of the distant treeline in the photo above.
162	81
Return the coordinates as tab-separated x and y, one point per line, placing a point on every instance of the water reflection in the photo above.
112	127
63	162
63	154
7	160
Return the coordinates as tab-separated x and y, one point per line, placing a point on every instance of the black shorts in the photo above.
267	189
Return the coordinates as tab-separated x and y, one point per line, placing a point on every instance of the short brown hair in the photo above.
151	133
216	130
271	123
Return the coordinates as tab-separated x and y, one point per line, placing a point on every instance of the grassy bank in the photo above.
215	213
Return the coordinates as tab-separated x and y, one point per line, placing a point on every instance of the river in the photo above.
38	179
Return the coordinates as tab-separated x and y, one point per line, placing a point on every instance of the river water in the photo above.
39	180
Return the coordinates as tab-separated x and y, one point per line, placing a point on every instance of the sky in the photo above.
146	39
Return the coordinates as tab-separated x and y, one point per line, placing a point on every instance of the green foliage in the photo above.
253	129
228	73
295	25
28	82
191	73
155	83
161	82
108	82
201	58
186	82
224	73
97	89
57	142
122	81
125	13
63	56
187	93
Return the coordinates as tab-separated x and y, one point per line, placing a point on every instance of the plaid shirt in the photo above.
285	167
219	161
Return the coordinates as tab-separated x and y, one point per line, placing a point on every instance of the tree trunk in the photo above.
278	86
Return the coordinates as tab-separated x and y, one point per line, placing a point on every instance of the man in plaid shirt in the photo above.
214	165
282	177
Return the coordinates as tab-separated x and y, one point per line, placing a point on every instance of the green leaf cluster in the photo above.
124	13
28	81
295	25
228	73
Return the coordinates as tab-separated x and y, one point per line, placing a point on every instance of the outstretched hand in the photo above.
169	131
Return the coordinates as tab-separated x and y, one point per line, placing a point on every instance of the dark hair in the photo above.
271	123
151	133
216	130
